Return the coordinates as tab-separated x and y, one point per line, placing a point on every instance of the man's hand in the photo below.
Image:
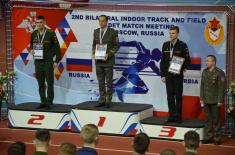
219	104
93	55
106	57
55	65
202	103
32	52
163	79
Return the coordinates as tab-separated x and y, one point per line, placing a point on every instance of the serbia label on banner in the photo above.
137	70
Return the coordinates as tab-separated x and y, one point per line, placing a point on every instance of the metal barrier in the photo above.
7	7
229	129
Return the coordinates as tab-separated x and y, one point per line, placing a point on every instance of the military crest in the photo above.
214	32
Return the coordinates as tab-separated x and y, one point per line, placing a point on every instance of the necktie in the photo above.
102	33
171	51
172	46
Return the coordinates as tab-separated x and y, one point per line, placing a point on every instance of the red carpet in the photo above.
108	145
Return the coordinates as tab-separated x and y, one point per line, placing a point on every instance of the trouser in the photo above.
105	74
174	89
212	113
45	72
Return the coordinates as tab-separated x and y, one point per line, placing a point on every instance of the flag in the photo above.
76	64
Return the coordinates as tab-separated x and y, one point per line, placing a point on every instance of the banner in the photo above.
136	73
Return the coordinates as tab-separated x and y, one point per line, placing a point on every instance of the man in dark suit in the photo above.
174	82
104	68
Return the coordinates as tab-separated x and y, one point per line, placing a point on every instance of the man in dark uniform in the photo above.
213	85
174	82
104	68
46	41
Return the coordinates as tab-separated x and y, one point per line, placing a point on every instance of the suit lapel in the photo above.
105	35
177	42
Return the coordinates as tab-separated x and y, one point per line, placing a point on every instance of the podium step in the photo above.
26	115
114	106
120	118
32	106
157	128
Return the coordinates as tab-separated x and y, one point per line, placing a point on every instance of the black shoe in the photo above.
108	101
100	105
50	103
169	120
206	141
179	121
107	106
42	105
101	101
217	142
48	106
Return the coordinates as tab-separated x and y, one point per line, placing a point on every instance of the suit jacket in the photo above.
111	39
180	50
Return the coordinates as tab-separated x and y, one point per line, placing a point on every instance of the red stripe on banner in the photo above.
195	60
101	121
132	132
160	114
22	34
79	68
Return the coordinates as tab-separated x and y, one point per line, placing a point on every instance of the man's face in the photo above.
210	62
102	21
40	23
173	34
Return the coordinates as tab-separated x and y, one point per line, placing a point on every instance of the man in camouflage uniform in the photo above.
104	68
44	67
213	84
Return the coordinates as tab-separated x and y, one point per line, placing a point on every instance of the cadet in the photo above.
108	39
44	46
213	85
174	81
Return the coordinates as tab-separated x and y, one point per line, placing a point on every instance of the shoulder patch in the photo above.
220	70
222	78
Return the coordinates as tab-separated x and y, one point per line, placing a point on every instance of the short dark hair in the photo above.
141	143
168	152
40	17
191	140
67	149
17	148
43	135
212	56
89	133
106	17
175	28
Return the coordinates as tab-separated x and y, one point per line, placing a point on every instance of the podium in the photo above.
120	118
26	115
157	128
126	119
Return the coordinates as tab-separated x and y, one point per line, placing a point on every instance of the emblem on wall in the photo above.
214	32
